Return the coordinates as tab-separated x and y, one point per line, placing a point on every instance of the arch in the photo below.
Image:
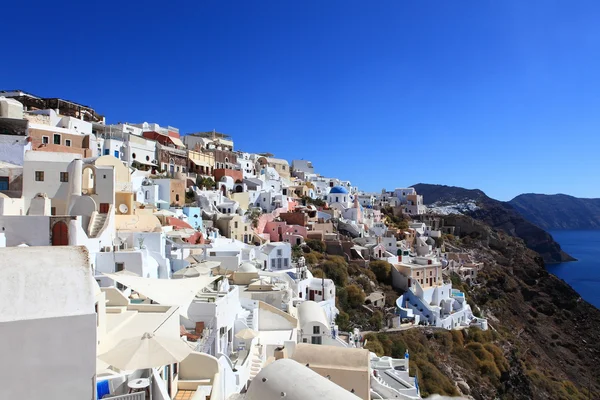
88	180
239	189
60	234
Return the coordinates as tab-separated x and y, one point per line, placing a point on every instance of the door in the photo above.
104	208
3	183
311	295
60	234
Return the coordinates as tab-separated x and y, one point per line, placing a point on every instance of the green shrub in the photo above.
356	296
336	272
376	321
382	271
343	321
316	245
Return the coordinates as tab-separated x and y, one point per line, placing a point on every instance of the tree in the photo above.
343	321
382	270
356	296
297	252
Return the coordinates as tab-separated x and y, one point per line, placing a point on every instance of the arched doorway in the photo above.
224	190
60	234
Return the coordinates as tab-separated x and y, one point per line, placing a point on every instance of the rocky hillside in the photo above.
497	214
543	341
558	211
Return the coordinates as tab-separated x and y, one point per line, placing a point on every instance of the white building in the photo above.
275	256
47	323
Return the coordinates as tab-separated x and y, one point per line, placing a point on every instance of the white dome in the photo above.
247	267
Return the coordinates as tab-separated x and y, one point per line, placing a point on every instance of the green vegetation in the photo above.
316	245
382	270
206	183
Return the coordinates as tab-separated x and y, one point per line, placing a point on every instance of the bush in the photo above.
311	259
382	271
318	273
343	321
316	245
356	296
376	320
336	272
365	283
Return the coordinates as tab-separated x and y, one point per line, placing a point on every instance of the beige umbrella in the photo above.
165	213
149	351
191	271
246	334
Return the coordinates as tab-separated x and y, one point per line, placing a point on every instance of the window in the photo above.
133	156
176	197
68	142
64	177
279	252
56	139
146	195
39	176
273	263
316	330
106	152
316	340
235	224
45	139
304	340
285	262
116	153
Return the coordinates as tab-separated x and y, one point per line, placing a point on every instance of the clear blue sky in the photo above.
498	95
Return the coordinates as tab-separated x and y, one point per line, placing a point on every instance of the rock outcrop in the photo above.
498	215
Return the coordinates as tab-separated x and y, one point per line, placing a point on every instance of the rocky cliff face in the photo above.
543	341
558	211
498	215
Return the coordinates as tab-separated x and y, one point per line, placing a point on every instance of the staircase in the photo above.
250	319
97	221
255	363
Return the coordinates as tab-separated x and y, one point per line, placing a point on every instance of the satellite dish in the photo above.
123	208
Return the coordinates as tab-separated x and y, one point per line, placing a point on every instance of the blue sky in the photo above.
498	95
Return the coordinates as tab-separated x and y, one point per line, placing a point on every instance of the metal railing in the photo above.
209	335
130	396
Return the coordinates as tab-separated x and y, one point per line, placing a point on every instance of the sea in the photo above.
584	274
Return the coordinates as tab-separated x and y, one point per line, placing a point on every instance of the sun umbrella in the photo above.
246	334
191	271
165	213
149	351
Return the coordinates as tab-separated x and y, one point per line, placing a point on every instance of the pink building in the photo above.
280	231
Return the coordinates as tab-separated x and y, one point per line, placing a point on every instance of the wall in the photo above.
220	172
60	364
13	147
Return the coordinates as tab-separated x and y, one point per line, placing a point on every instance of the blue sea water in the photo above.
583	275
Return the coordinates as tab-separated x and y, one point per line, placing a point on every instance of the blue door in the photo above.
117	153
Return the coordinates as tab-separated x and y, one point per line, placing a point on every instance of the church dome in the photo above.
338	189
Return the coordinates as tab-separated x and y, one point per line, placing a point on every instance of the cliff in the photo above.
558	211
497	214
543	341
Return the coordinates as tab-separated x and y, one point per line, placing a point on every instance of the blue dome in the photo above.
338	189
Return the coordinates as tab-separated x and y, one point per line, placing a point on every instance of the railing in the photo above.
209	335
130	396
124	187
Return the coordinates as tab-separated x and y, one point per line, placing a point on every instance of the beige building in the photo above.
233	226
346	367
200	162
425	270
